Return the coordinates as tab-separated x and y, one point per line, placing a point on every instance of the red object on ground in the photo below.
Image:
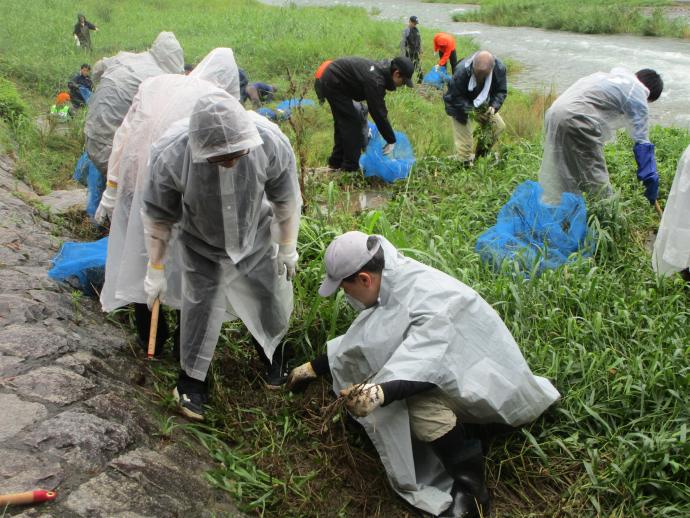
29	497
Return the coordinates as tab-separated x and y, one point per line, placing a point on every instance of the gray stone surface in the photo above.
76	408
18	414
23	471
82	439
53	384
60	202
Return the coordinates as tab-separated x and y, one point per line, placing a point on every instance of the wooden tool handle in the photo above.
155	311
29	497
658	208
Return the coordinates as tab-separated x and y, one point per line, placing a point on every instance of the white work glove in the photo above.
286	261
76	40
155	284
388	149
437	68
105	208
491	110
298	375
361	400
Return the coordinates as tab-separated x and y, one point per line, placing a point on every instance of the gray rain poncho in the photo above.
160	101
229	221
120	77
429	327
579	123
672	245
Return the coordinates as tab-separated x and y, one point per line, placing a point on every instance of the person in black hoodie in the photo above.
411	46
479	84
360	79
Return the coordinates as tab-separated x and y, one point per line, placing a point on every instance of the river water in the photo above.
552	58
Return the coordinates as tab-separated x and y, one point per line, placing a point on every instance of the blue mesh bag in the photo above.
289	104
81	265
534	234
86	173
436	78
395	166
268	113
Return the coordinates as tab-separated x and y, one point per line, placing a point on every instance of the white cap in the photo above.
345	256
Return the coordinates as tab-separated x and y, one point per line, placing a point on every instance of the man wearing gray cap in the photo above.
425	356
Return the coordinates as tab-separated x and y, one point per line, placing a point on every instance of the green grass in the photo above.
612	337
645	17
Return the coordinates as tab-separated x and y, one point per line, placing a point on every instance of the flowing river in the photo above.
551	58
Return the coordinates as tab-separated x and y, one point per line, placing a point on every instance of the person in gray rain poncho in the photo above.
425	355
584	118
227	178
160	101
120	77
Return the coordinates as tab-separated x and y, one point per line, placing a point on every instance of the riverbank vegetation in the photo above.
644	17
611	336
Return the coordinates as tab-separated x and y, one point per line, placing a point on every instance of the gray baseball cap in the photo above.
345	256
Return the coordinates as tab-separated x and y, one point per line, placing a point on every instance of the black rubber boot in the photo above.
276	373
464	461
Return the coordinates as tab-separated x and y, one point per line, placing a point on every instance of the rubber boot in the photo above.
276	373
464	462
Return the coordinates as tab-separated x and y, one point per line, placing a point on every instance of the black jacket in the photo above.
459	100
80	80
362	79
411	43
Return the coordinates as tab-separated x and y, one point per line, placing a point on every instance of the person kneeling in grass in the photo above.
425	356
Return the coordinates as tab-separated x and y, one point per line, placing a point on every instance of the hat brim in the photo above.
329	286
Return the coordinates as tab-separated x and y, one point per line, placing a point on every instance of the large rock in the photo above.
22	471
17	414
31	341
60	202
53	384
82	439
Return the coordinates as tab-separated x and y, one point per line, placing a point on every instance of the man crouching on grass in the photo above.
425	355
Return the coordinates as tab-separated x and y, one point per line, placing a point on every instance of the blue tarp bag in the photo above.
85	94
436	78
395	166
86	173
534	234
284	108
81	265
268	113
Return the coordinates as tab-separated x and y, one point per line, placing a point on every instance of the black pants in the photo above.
417	63
453	60
347	130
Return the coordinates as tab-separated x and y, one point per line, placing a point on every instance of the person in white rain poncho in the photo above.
160	101
584	118
120	77
425	355
227	178
672	245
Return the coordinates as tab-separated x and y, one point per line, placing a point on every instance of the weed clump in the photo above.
12	107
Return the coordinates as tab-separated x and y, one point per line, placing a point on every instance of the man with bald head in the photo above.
480	85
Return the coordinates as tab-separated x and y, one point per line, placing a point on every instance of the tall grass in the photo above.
645	17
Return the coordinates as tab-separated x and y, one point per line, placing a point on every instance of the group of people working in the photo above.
204	208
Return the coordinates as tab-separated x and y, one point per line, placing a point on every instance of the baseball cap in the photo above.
345	256
406	69
414	19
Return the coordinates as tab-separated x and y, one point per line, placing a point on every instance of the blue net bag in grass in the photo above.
289	104
86	173
81	265
436	78
533	234
390	168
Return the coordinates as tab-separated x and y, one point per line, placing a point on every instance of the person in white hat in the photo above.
425	356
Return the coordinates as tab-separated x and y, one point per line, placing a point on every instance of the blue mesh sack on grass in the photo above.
534	234
86	173
81	265
436	78
390	168
284	108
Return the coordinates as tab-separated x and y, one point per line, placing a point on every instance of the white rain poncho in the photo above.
160	101
229	221
672	245
120	77
579	123
429	327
